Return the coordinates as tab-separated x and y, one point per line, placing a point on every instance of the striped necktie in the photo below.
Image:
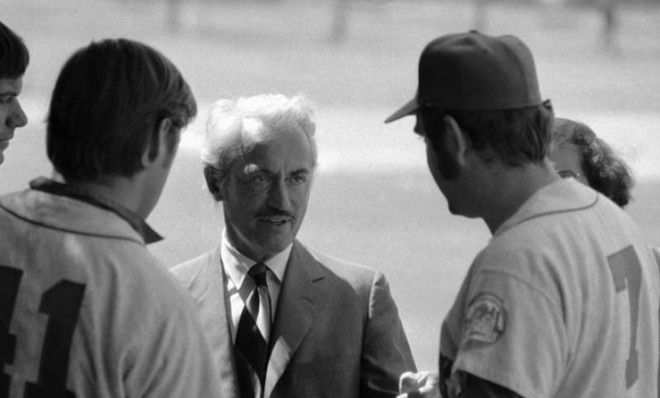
253	332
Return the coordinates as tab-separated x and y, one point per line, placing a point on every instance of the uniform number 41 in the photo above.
61	303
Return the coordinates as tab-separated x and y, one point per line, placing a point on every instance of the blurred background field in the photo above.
373	201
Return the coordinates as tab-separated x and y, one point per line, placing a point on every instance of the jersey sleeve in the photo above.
512	333
174	361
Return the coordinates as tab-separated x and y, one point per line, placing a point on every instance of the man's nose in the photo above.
18	118
279	195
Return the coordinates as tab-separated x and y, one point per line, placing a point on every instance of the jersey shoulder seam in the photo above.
549	213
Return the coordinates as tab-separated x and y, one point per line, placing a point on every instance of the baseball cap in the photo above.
473	71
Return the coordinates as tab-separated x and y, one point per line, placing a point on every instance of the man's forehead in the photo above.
264	158
11	86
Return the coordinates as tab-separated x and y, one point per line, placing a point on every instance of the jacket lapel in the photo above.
300	300
208	290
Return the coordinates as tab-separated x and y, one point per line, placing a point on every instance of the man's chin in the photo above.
274	247
458	212
453	209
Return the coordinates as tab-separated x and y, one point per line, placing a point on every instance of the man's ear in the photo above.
213	182
163	144
456	142
171	134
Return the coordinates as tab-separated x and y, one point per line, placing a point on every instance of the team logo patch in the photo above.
485	321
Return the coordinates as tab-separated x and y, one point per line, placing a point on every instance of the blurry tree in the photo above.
610	23
339	21
609	15
174	10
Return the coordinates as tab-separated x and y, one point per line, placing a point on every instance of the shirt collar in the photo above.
236	264
62	189
561	196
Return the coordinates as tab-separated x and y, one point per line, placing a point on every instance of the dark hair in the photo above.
604	170
14	55
106	108
517	136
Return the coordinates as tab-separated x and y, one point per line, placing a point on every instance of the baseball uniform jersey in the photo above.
86	311
563	302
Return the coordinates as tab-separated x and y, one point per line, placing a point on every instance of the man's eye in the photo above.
298	178
5	100
259	180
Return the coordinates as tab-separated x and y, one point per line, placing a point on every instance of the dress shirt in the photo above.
236	266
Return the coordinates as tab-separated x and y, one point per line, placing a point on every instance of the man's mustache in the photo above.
275	212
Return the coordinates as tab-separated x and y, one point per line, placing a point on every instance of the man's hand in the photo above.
419	385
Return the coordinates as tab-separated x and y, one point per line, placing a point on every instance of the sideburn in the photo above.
434	128
447	167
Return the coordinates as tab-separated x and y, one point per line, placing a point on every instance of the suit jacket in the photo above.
337	331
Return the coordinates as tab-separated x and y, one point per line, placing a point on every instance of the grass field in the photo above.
373	201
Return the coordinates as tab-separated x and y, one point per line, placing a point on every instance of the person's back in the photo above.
563	301
85	310
90	310
586	266
612	279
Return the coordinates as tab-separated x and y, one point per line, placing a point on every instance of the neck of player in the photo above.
512	187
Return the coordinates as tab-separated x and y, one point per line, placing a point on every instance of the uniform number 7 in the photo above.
627	275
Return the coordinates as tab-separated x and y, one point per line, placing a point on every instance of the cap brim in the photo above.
408	109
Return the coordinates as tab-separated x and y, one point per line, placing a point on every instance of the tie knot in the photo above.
258	274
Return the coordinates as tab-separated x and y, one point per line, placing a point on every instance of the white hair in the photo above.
234	127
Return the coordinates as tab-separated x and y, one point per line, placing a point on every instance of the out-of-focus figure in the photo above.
610	16
14	59
578	152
